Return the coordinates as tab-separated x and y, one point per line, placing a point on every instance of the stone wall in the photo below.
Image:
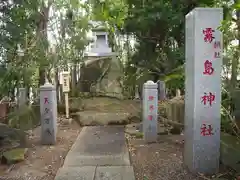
173	110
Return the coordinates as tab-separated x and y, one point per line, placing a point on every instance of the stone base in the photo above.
90	118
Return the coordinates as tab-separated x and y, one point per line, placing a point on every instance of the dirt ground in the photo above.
43	162
161	160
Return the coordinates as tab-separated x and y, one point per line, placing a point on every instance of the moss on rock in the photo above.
13	156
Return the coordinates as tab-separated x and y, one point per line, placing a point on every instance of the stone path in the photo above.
99	153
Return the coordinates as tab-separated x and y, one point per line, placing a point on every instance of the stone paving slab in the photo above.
76	173
100	140
96	173
114	173
99	153
99	145
107	160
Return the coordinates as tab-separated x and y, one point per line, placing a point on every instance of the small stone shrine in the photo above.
102	69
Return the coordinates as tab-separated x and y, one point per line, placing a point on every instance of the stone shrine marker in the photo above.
203	90
150	111
22	99
161	90
48	109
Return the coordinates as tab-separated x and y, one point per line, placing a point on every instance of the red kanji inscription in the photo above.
150	117
208	98
208	69
151	107
208	35
206	130
46	100
150	98
216	54
217	44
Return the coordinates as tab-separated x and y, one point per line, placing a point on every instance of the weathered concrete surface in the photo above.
99	153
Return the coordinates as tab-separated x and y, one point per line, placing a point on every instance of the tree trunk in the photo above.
42	35
41	76
74	79
57	84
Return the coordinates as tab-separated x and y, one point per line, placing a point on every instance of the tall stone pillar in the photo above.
203	90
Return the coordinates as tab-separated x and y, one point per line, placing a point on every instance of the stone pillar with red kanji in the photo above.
48	109
150	111
203	90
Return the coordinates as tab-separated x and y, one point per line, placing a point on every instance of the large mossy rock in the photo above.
13	156
102	77
107	110
12	134
25	117
230	151
75	105
236	112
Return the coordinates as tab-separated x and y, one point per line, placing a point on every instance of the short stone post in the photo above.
203	90
137	93
22	98
161	90
48	109
178	93
150	111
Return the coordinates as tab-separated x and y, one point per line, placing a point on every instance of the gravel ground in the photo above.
159	161
43	162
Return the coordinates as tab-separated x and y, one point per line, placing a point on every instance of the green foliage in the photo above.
155	26
158	28
158	31
24	118
24	24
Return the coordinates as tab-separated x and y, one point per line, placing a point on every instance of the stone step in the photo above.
74	160
96	173
87	118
